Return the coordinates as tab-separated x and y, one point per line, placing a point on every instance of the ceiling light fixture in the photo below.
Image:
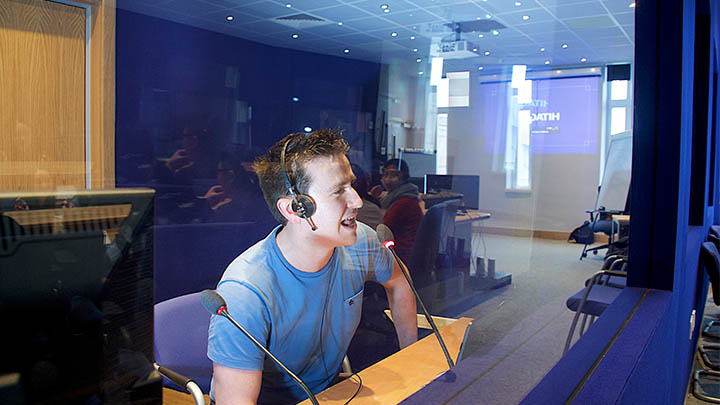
480	68
346	50
418	60
295	36
488	16
526	17
474	49
414	49
542	49
229	18
632	5
564	46
384	6
339	22
583	60
412	37
387	10
518	4
393	34
496	32
547	61
308	129
481	35
487	53
295	99
420	73
288	5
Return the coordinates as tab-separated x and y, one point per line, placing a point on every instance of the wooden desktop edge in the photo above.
390	380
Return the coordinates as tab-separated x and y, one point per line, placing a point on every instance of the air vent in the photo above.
301	21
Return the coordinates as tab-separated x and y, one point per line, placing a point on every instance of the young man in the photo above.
401	205
299	291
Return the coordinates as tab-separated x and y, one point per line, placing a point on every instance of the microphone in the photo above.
182	381
386	238
215	304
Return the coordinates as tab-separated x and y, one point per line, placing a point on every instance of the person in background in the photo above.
401	205
369	213
300	289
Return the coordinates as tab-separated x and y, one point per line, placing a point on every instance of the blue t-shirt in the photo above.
306	320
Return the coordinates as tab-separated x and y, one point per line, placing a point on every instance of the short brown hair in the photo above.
301	149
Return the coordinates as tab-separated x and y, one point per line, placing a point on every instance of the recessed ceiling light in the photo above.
542	49
495	32
480	68
295	99
295	36
488	16
418	60
384	6
632	5
558	72
420	73
474	49
414	49
487	53
288	5
229	18
481	35
564	46
583	60
526	17
518	4
547	61
339	22
346	50
387	10
307	129
393	34
412	37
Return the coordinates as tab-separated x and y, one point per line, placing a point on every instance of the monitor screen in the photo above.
76	277
467	185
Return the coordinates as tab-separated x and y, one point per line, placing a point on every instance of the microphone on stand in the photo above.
215	304
386	238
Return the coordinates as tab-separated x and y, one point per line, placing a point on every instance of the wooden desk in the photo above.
621	219
401	374
471	216
388	381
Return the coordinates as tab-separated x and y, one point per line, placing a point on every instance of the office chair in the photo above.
428	258
181	335
600	223
600	291
704	379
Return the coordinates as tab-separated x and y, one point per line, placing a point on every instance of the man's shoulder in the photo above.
252	264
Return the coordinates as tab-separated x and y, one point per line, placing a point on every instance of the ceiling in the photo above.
536	32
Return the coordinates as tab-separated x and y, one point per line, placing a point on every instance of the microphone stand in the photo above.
223	312
425	311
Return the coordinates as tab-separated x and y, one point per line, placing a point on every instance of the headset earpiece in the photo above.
302	204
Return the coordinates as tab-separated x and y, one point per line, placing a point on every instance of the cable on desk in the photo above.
360	384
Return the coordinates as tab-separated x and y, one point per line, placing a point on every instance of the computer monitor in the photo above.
76	295
467	185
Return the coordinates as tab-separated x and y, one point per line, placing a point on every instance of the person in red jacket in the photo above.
400	203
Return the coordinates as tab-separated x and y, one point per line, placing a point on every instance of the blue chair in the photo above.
592	301
181	335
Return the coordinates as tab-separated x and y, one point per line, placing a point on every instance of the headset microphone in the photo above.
302	204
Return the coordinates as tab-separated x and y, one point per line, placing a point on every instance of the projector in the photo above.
454	49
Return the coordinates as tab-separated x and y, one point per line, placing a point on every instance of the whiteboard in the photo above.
616	179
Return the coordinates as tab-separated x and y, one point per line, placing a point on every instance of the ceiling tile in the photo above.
370	24
265	9
534	15
373	6
411	17
340	13
589	22
308	5
625	18
580	10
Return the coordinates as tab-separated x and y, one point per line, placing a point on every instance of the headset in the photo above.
302	204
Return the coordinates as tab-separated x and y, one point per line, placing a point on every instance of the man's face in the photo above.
336	201
391	178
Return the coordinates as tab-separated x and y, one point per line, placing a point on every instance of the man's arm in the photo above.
235	386
402	306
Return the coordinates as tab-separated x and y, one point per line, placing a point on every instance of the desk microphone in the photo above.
386	238
215	304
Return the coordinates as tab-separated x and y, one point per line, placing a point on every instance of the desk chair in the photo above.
707	378
592	301
598	223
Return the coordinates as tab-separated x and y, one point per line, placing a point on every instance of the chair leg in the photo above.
582	325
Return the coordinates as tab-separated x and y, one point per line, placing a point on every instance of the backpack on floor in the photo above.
582	234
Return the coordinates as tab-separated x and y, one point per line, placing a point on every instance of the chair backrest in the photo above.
181	335
433	231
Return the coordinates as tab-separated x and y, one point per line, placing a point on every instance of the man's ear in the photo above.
284	205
